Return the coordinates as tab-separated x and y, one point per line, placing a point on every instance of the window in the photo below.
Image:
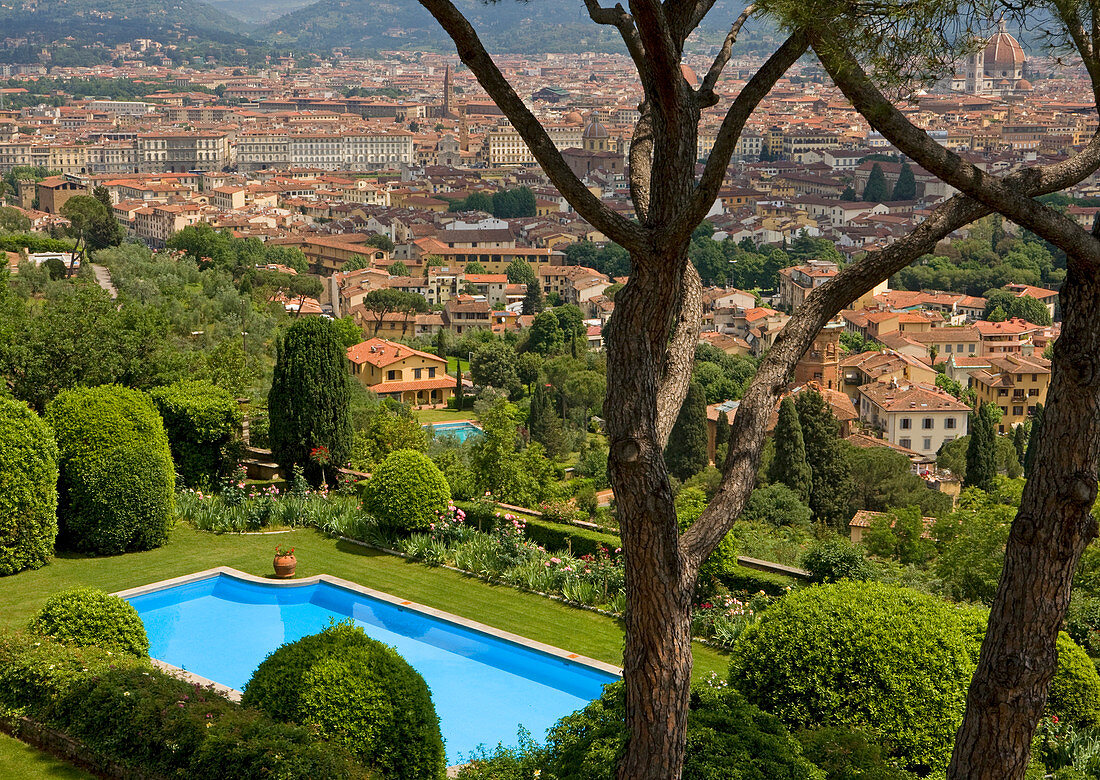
1017	410
391	375
949	423
960	348
947	349
928	424
926	443
1002	392
431	372
1034	377
906	423
416	373
1033	392
907	443
971	348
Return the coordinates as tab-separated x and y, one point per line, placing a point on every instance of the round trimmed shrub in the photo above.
117	480
86	616
358	693
1074	694
866	656
28	488
726	738
201	420
407	492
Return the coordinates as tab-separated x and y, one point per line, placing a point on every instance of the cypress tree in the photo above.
906	187
532	301
722	432
877	190
848	194
686	453
543	422
1033	438
460	391
1019	442
789	466
981	452
309	398
831	486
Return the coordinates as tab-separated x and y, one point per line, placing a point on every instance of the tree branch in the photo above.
618	18
739	112
470	49
663	55
680	356
705	96
914	142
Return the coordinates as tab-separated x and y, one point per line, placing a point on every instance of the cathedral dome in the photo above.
1003	52
1023	85
595	130
573	118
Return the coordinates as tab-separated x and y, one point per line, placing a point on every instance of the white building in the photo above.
916	416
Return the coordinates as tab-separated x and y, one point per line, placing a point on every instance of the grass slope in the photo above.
20	761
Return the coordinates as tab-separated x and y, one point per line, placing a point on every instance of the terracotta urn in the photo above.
284	566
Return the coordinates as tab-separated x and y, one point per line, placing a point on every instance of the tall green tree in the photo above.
1033	439
686	453
545	336
722	432
519	271
308	405
876	190
543	422
1019	442
832	483
906	187
981	452
789	466
532	301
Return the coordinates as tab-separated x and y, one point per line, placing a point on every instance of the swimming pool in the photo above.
461	430
485	683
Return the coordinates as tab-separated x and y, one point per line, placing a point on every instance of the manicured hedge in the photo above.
407	492
357	692
86	616
741	579
117	480
132	714
202	421
1074	694
861	655
28	488
558	537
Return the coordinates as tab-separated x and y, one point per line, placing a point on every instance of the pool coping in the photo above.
339	582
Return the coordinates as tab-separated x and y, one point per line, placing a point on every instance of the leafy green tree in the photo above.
493	454
997	314
1019	442
88	222
532	301
544	424
13	220
906	186
231	368
474	268
777	505
390	300
397	268
981	455
876	190
528	368
832	484
107	232
381	241
289	256
356	263
686	452
836	559
519	271
309	400
789	466
545	336
883	480
722	431
347	331
1031	309
494	365
972	546
900	534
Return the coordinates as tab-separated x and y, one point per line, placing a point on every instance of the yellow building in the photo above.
401	372
1015	383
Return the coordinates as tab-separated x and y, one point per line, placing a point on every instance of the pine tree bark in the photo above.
1051	531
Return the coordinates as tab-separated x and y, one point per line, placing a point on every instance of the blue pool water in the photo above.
483	687
460	430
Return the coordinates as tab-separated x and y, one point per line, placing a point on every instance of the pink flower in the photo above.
555	560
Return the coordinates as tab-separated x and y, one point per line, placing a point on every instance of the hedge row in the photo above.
557	537
33	243
201	420
741	579
28	488
130	713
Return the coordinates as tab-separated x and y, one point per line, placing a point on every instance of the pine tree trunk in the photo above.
1051	531
657	658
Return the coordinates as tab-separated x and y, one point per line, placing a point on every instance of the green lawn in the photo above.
19	760
189	551
426	416
452	365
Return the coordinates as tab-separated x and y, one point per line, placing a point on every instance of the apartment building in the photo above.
1015	383
918	417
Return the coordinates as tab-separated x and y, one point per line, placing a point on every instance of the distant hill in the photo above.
507	27
258	11
111	21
